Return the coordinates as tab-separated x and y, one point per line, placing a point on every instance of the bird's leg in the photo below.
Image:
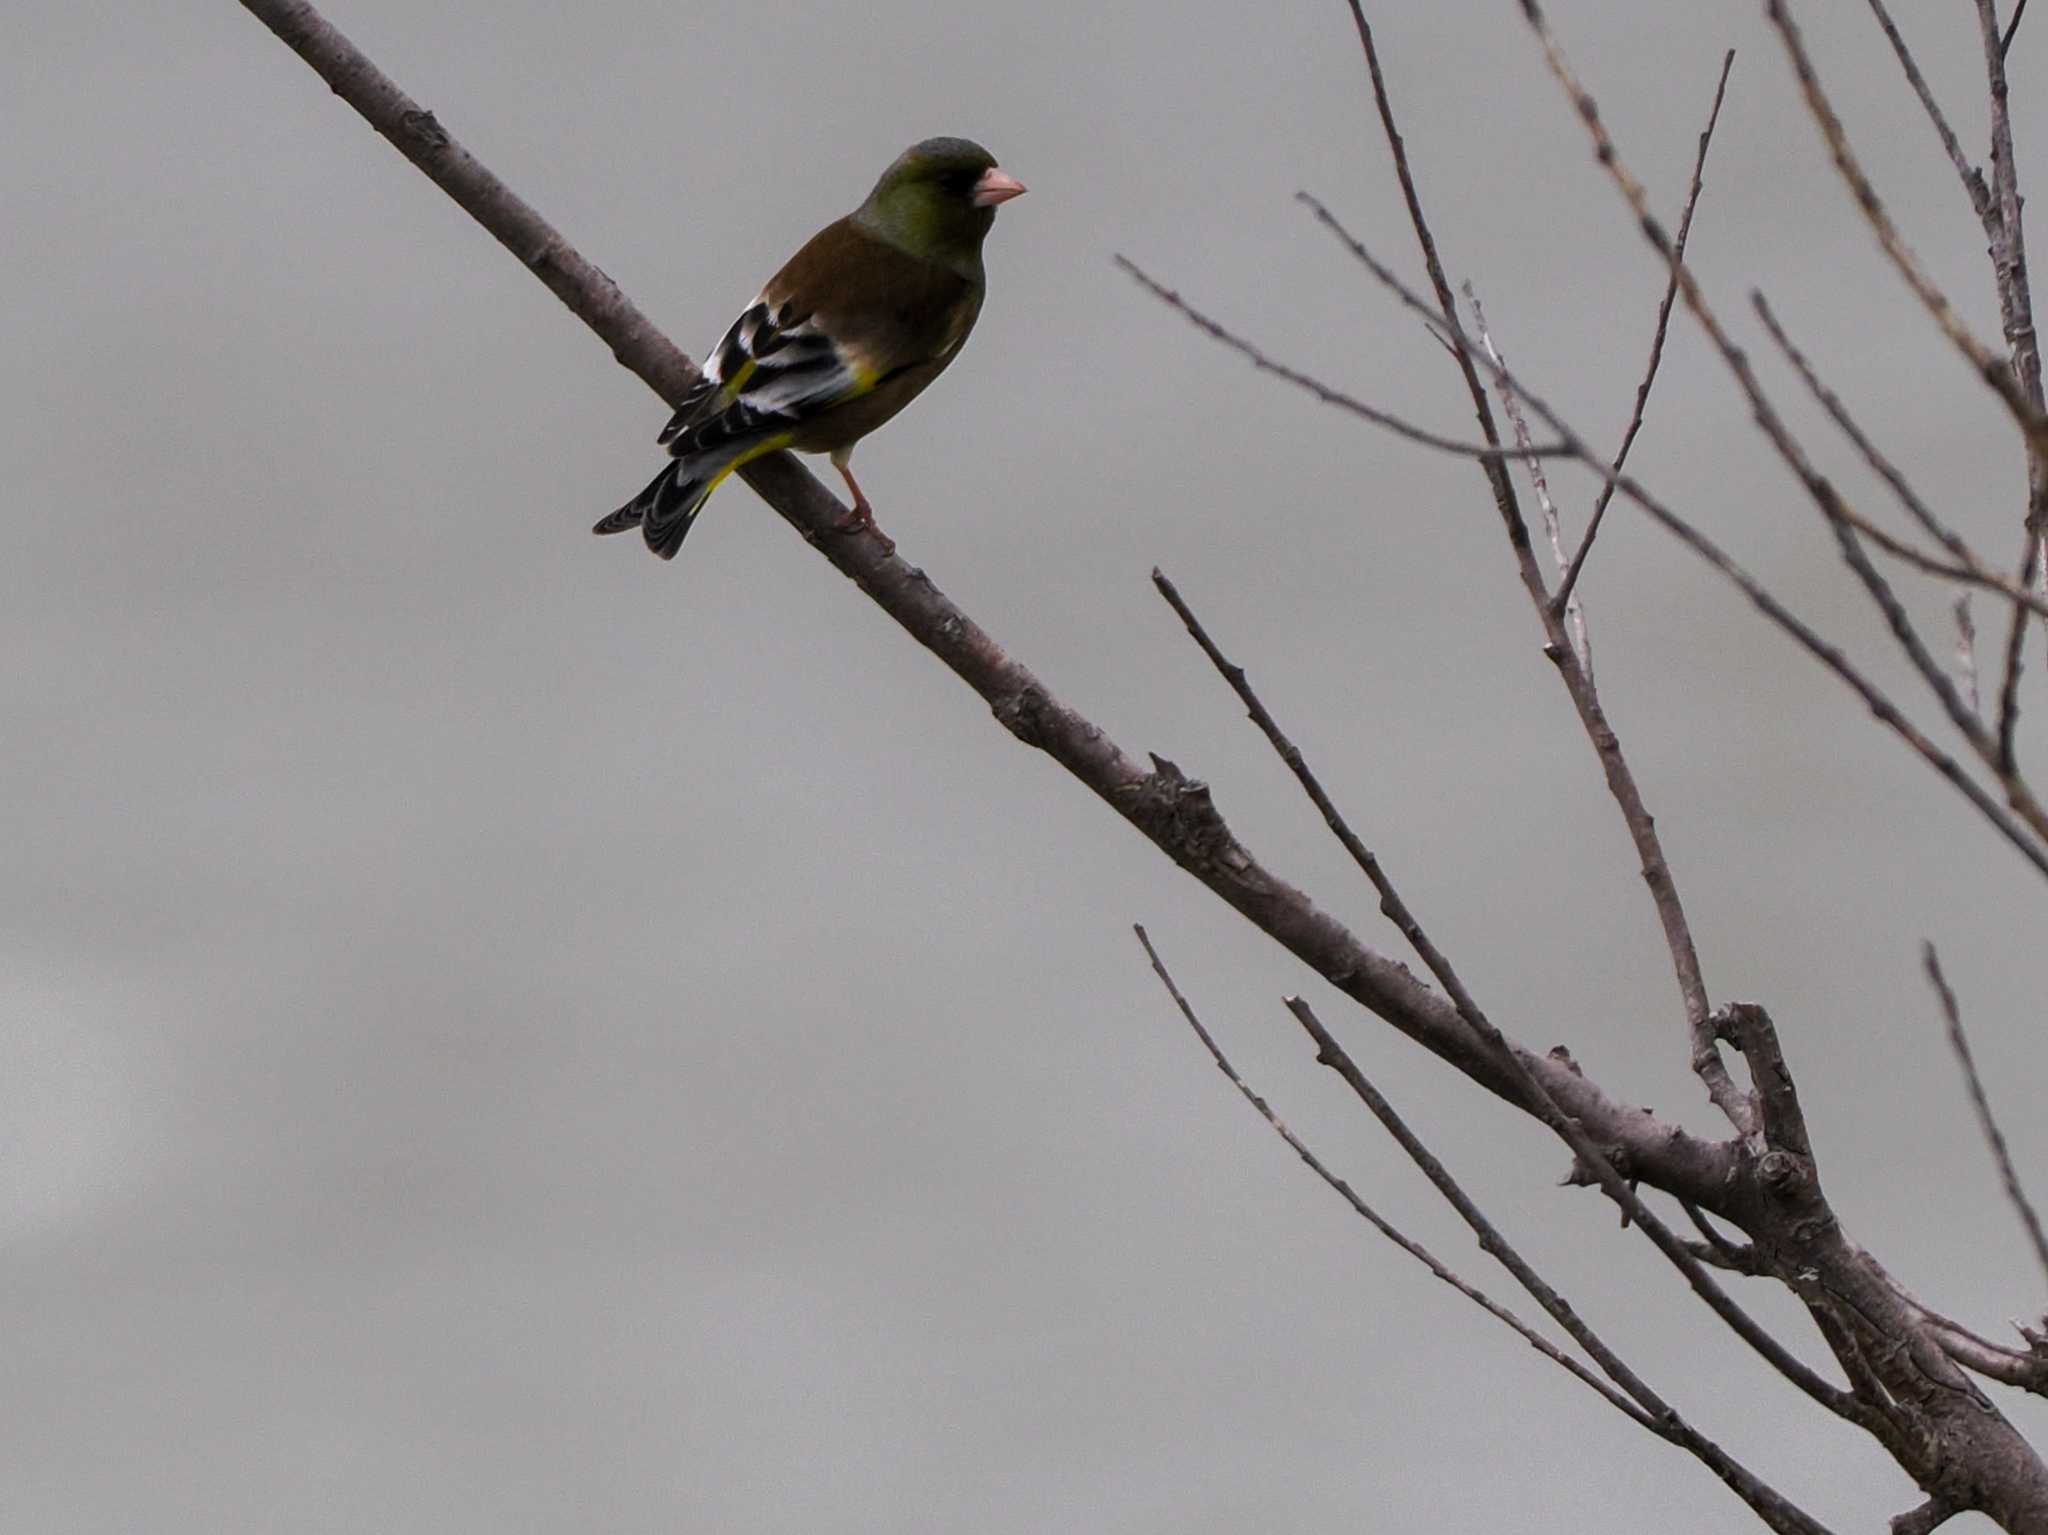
862	517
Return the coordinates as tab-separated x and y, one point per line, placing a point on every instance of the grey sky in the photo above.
500	1033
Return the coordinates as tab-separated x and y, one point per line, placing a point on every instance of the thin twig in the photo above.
1635	421
1925	1519
2009	246
2016	315
1599	1168
1770	1505
1972	178
1980	576
1970	567
1313	386
2012	27
2031	567
1621	783
1779	435
1996	371
2017	380
1572	611
1966	654
2000	1153
2025	1370
1829	655
1961	714
1391	905
1707	1064
1372	1217
1497	477
1740	1256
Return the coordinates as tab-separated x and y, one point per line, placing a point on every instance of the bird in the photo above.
847	333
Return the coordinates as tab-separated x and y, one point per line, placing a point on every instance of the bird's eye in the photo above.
961	182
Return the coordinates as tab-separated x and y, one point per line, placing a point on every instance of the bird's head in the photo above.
938	199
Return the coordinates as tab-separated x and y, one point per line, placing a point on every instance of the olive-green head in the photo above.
937	200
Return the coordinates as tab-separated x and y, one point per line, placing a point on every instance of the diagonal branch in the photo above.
1966	653
1829	655
1972	178
1568	609
1924	1520
1970	567
1392	907
2009	239
1833	508
1779	435
1654	1413
1173	811
1707	1064
1635	421
1373	1218
1497	477
2011	30
1593	1162
2016	379
1959	1042
1326	393
1769	1505
1996	371
2016	314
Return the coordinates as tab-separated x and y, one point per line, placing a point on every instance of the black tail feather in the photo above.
663	511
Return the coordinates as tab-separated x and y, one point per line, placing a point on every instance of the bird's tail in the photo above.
665	511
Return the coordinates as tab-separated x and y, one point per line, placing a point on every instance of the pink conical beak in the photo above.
996	187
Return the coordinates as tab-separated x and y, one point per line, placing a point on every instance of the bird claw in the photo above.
861	520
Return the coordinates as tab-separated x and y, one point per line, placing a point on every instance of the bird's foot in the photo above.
861	519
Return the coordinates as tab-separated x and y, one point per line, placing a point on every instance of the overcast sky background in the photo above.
500	1033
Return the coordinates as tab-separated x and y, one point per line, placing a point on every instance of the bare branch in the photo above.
1780	437
1391	905
1980	576
2026	1369
1966	653
2016	314
1635	420
2009	246
1972	178
2008	1175
1656	868
1573	614
2031	567
1925	1519
1748	1028
1970	566
1173	811
1829	655
1596	1165
1372	1217
1315	387
2011	30
1769	1505
1717	1250
1938	681
2019	383
1621	784
1497	478
1996	371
